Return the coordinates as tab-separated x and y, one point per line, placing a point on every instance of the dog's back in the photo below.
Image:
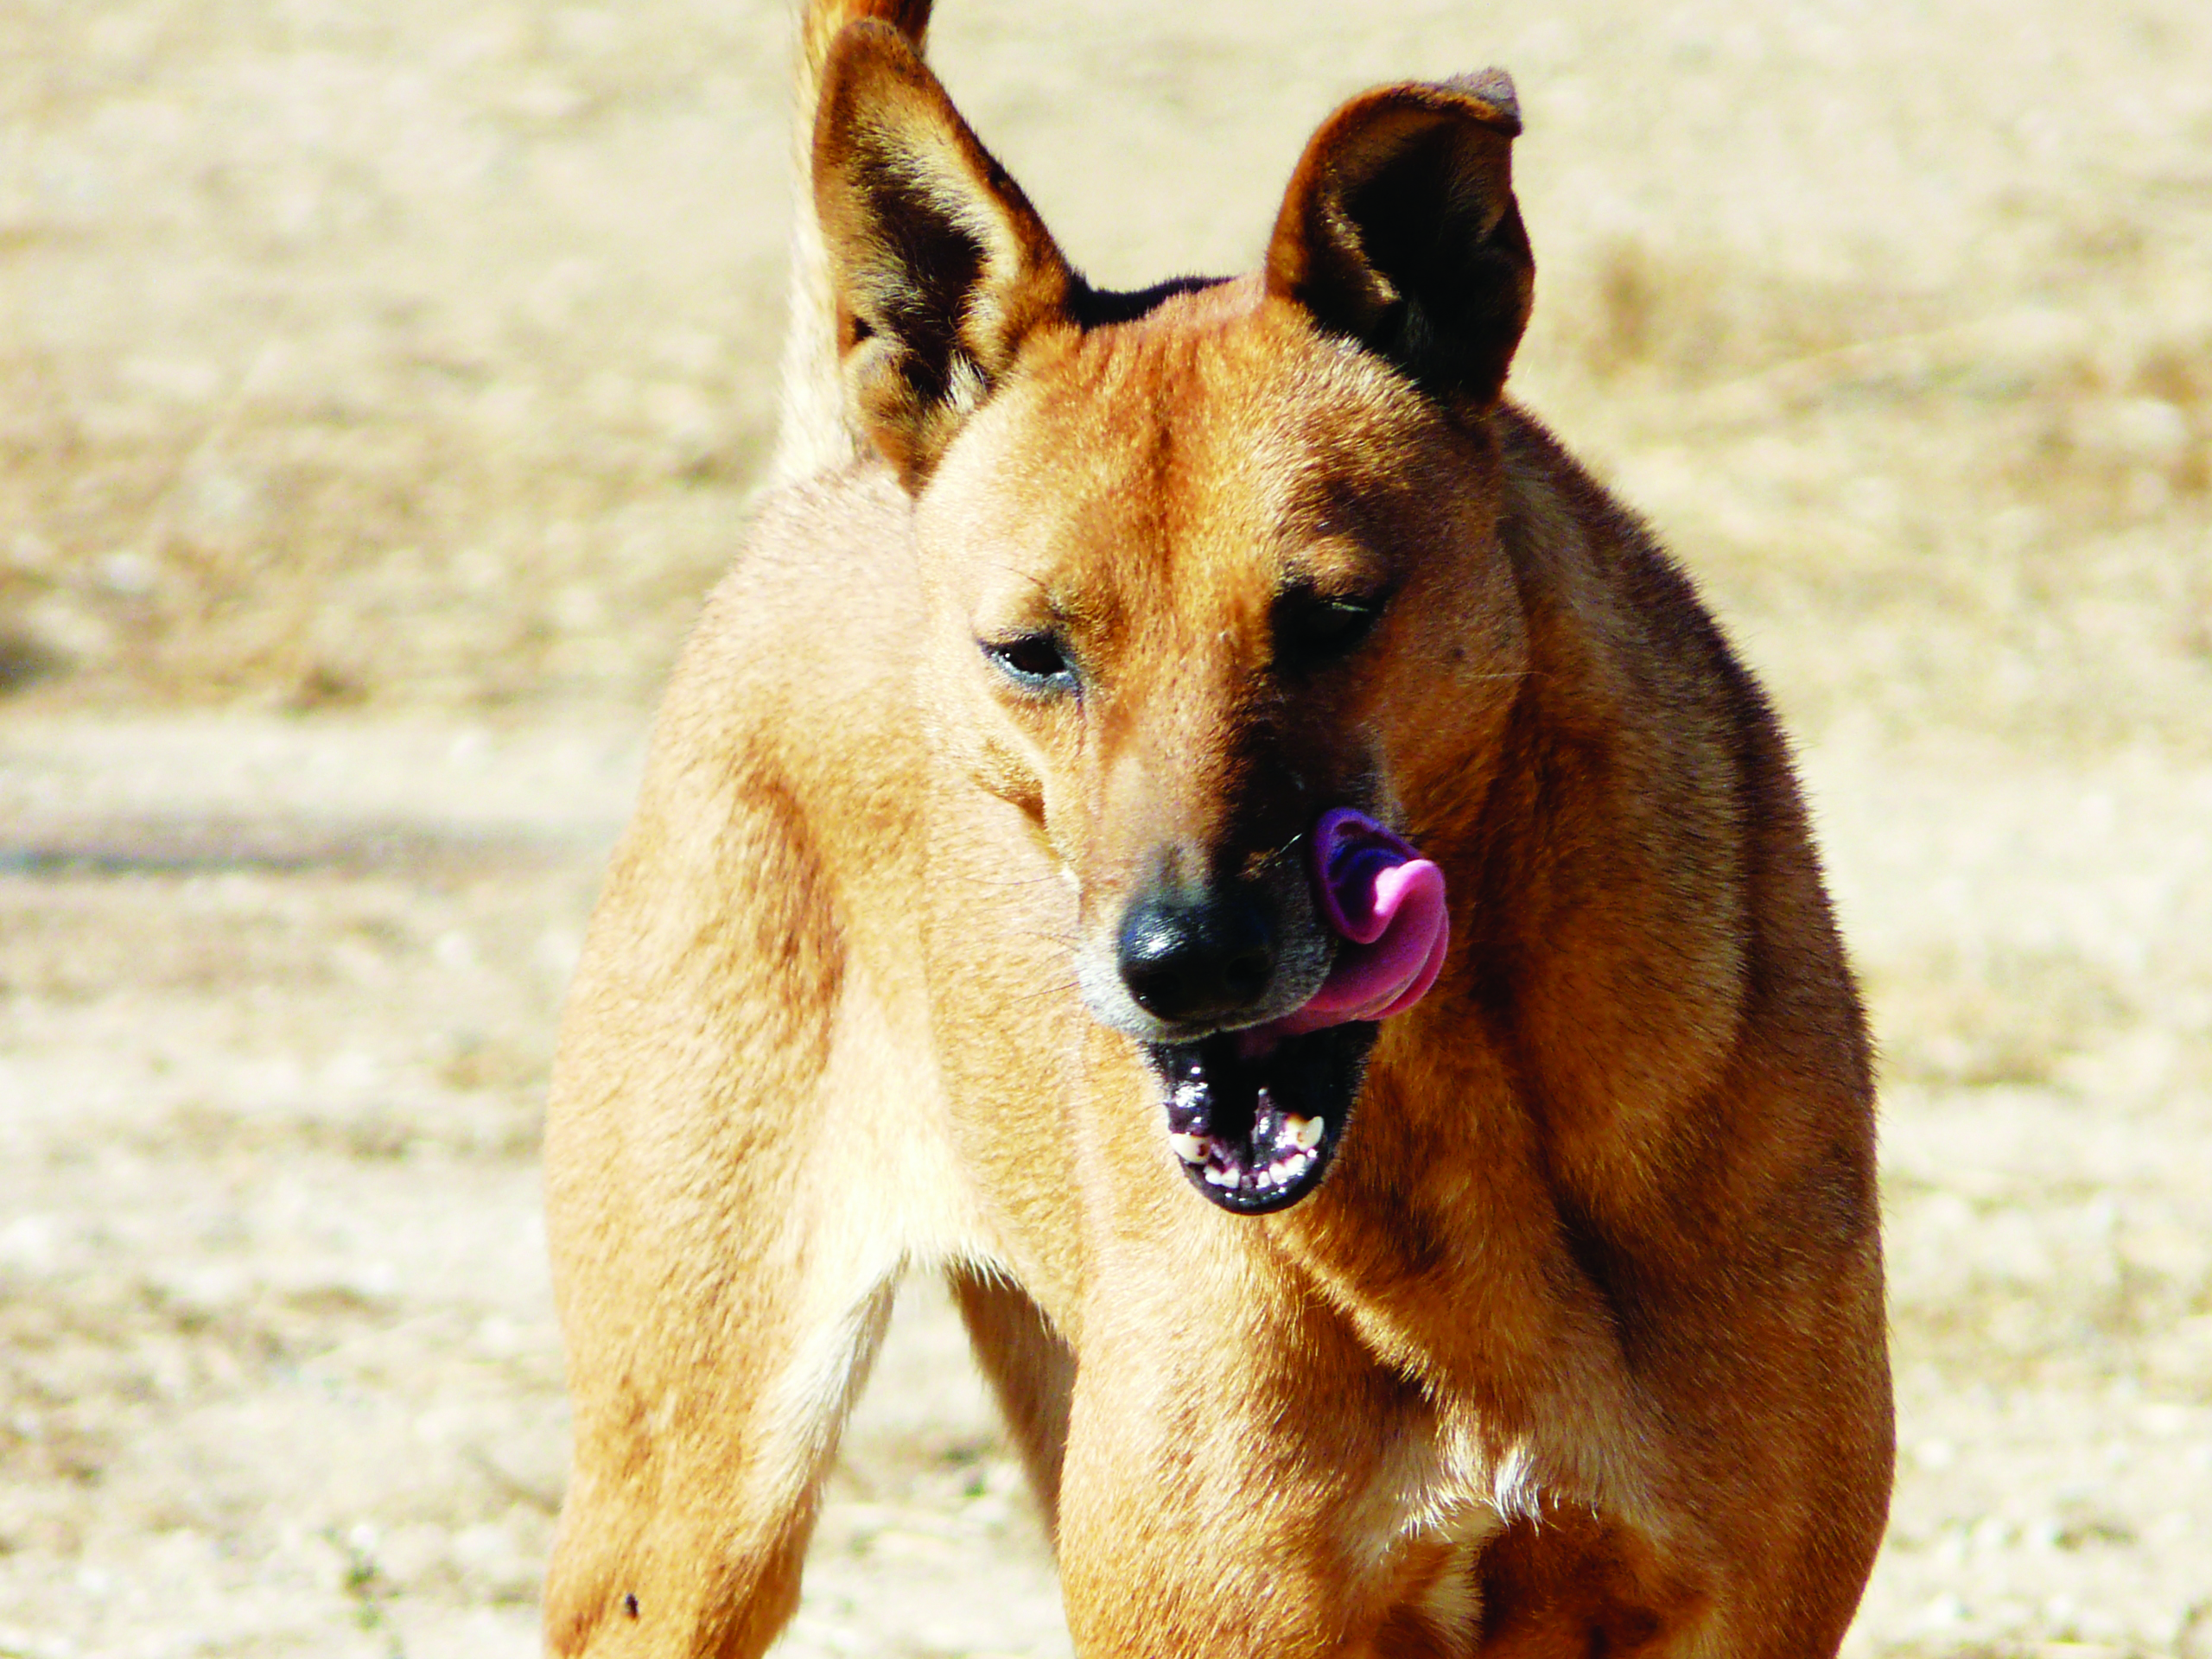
1543	1317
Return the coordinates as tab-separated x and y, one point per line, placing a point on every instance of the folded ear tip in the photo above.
870	62
877	33
1492	86
826	19
874	41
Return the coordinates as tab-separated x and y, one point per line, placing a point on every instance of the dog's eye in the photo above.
1034	662
1314	630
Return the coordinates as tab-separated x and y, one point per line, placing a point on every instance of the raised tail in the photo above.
813	434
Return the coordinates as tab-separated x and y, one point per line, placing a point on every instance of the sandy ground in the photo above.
380	387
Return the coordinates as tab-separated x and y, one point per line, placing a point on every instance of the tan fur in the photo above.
1578	1348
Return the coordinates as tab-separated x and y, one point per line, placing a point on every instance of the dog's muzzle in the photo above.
1254	1116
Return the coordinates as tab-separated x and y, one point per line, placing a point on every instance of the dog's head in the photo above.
1204	562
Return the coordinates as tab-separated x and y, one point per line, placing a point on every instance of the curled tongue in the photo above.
1386	901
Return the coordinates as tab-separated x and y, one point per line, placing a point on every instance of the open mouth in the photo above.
1254	1117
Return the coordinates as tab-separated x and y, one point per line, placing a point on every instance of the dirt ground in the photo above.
380	387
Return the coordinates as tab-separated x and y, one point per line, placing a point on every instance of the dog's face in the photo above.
1202	564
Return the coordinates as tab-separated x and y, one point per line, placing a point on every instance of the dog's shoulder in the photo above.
807	643
786	757
1643	716
1578	553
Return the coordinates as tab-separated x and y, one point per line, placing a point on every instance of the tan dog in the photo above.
972	836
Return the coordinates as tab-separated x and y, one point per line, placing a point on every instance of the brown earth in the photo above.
381	386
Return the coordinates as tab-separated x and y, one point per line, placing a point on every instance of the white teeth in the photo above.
1191	1148
1305	1132
1221	1177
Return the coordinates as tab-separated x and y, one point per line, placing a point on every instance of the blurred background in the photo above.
381	387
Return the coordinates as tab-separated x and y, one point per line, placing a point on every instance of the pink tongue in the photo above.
1387	902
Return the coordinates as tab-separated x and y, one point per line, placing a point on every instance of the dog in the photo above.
1098	666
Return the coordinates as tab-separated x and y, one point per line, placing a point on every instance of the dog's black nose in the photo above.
1197	962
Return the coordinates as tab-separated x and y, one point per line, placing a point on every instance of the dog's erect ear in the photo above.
1400	229
939	266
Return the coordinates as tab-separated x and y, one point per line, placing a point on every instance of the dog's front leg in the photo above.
698	1472
724	1282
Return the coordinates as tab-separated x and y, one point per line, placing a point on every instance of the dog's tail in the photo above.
813	434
